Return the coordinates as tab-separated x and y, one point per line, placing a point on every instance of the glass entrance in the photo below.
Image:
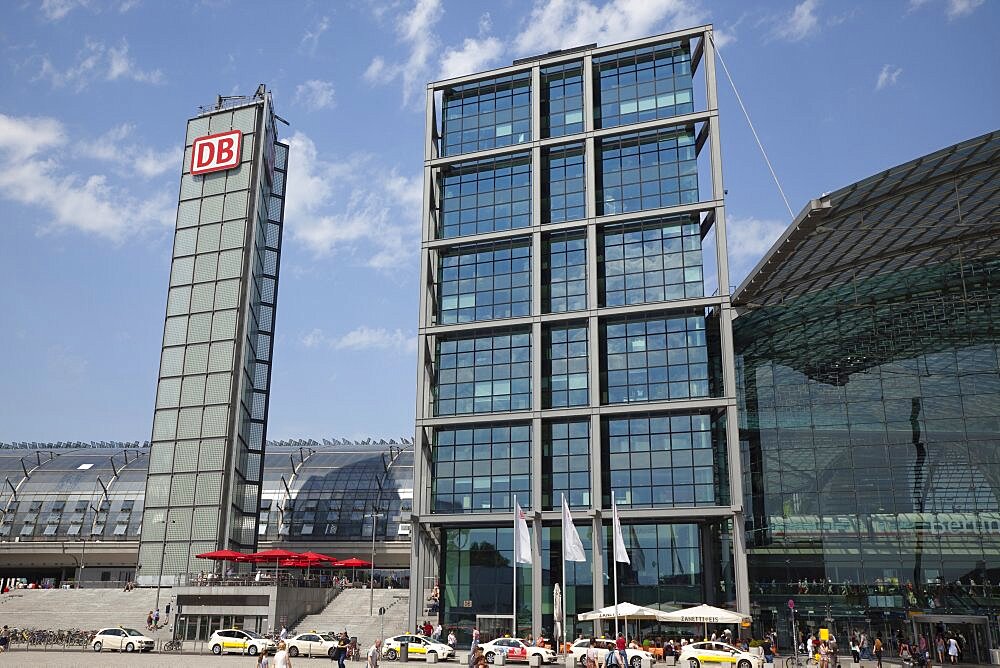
494	626
971	632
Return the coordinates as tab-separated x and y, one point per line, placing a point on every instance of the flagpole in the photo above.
565	593
514	625
614	551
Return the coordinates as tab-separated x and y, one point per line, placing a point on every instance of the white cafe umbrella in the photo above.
704	614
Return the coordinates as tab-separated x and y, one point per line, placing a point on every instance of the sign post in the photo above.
795	635
381	624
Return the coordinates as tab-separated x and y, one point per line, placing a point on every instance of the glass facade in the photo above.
655	359
871	409
482	469
647	170
562	226
652	261
485	282
486	196
643	85
487	114
206	458
483	374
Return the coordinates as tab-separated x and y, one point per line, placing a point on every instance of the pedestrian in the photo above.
953	650
281	658
374	653
149	621
4	638
878	650
477	659
939	647
341	654
427	629
156	618
620	641
168	612
855	650
264	659
284	633
475	638
438	630
452	640
592	653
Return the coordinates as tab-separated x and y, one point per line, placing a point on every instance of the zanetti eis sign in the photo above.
215	153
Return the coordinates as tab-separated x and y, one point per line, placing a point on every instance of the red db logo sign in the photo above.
216	152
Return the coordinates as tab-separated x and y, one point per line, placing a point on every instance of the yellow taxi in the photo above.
227	641
419	647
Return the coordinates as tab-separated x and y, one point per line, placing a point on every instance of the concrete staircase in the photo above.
88	609
349	610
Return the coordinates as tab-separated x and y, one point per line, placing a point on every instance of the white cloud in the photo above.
954	8
315	95
801	23
474	55
32	174
97	61
747	240
416	30
888	76
354	206
55	10
554	24
361	338
310	40
130	157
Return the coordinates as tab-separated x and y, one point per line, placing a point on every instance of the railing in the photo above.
258	579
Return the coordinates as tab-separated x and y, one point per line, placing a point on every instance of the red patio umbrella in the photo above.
305	560
317	557
267	556
353	563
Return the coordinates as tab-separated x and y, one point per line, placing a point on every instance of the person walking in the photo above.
438	630
878	650
592	653
953	650
374	654
156	618
281	658
264	660
452	639
620	641
149	621
340	654
284	633
939	647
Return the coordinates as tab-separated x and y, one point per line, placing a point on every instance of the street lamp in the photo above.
371	603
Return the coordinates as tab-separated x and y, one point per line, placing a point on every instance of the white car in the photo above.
516	650
603	646
122	639
226	641
420	646
312	644
715	654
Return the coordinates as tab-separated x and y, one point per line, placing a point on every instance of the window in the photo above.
566	464
564	192
51	529
656	460
565	373
643	84
483	373
485	282
651	261
562	99
487	114
486	196
481	469
564	270
655	359
647	170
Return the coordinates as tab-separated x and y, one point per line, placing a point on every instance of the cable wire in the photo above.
752	129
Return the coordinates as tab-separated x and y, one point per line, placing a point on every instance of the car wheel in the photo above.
583	659
98	646
130	648
293	651
743	664
252	650
636	662
490	657
694	663
216	650
391	654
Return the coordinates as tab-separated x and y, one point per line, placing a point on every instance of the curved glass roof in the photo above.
313	491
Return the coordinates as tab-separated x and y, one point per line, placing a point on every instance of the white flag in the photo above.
572	545
621	554
522	539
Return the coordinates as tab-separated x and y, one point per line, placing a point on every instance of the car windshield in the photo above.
253	635
131	632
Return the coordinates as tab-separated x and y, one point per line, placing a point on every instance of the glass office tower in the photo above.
574	340
868	342
210	421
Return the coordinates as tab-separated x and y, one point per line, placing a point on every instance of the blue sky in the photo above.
96	93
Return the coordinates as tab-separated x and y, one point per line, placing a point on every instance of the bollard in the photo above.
647	662
500	659
534	661
571	661
404	651
431	657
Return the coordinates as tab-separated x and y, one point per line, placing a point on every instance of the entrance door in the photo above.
494	626
972	632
